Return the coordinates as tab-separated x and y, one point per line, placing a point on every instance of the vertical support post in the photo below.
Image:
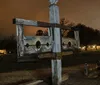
48	31
56	36
86	69
76	33
20	40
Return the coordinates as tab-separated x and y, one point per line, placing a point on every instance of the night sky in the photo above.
77	11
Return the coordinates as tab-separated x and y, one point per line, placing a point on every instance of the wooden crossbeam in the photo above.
19	21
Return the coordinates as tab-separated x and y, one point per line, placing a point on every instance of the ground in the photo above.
14	73
78	78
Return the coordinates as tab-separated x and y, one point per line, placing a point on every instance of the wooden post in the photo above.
56	63
76	33
20	40
86	69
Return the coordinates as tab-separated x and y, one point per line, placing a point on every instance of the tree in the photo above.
9	43
45	32
66	22
87	35
39	33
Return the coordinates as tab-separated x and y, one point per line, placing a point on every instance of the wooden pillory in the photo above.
43	44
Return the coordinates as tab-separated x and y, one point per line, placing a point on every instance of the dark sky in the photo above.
77	11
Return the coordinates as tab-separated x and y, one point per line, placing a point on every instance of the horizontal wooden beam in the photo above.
19	21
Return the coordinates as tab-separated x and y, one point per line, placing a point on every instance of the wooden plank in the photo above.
19	21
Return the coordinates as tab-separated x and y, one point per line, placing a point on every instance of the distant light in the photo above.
3	52
98	47
83	48
89	46
94	46
9	51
